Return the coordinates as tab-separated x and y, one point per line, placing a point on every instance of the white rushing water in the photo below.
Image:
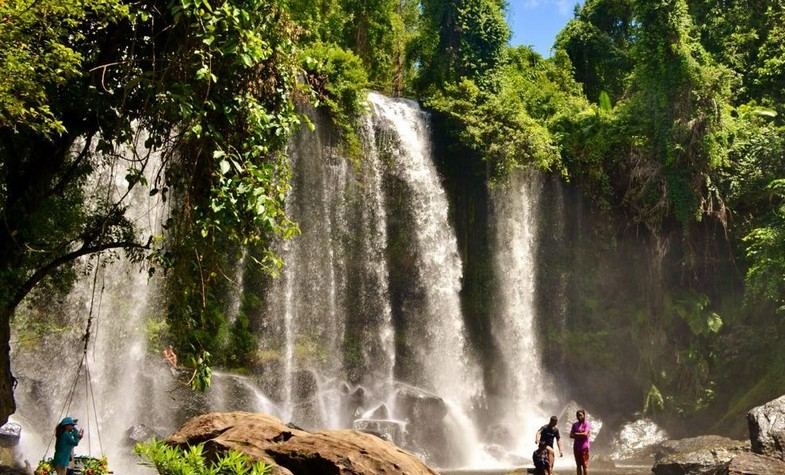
443	353
446	365
121	299
338	349
335	275
514	322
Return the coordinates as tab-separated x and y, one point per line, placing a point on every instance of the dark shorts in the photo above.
581	456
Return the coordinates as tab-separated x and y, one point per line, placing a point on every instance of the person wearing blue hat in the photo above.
68	437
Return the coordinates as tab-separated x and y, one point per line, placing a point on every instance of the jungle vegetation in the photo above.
666	115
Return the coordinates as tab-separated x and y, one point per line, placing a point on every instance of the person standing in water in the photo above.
67	437
548	433
580	434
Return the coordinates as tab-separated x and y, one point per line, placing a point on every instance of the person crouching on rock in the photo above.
542	459
580	433
548	433
67	437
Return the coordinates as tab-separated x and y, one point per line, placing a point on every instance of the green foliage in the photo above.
599	41
678	104
43	48
765	250
89	465
239	115
378	32
208	87
339	81
202	375
169	460
694	310
459	39
504	135
747	37
507	125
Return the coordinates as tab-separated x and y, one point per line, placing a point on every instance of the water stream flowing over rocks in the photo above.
363	329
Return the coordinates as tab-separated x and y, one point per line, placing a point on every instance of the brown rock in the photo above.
5	470
295	451
704	455
749	463
767	428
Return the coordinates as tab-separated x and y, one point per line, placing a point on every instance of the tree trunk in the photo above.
7	380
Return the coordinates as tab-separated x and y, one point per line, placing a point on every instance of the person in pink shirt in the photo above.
580	433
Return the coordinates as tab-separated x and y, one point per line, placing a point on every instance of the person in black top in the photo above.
547	434
542	459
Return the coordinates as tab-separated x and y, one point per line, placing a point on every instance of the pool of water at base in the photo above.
619	470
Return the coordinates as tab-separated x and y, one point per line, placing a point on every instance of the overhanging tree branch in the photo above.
43	271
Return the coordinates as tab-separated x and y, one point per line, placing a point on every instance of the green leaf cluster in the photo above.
338	80
172	460
507	125
44	47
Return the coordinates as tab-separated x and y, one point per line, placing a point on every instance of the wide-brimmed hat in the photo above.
68	421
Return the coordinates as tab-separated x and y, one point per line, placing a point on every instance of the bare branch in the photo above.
46	269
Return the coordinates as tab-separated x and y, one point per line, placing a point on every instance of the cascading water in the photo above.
514	327
437	338
339	362
442	345
332	279
363	328
120	298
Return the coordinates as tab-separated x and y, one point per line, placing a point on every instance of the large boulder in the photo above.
704	455
637	441
767	428
295	451
749	463
424	413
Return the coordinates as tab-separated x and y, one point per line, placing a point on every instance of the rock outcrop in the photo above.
295	451
767	428
754	464
704	455
637	441
424	412
714	455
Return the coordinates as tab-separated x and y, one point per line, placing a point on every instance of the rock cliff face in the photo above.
767	428
295	451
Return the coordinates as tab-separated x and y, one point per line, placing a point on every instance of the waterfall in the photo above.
345	358
362	328
441	333
437	337
121	382
333	289
514	324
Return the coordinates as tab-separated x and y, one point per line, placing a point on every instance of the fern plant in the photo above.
169	460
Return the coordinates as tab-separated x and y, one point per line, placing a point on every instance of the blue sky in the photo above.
537	22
